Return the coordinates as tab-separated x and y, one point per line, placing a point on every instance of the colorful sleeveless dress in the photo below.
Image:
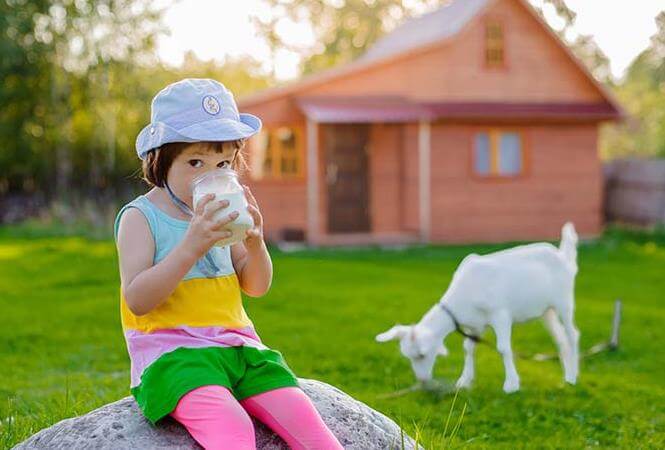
200	335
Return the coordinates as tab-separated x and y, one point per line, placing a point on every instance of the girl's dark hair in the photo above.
158	160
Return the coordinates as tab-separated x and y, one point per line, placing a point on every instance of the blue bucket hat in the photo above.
194	110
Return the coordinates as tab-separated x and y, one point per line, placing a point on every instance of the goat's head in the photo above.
419	344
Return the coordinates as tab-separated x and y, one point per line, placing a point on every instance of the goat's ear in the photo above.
442	350
396	332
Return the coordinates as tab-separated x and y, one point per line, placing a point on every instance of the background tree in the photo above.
58	57
642	93
76	81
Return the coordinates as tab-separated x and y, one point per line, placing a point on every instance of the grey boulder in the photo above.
120	425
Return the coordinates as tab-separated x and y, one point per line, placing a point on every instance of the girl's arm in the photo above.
251	259
145	285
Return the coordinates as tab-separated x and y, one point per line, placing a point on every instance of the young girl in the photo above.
194	352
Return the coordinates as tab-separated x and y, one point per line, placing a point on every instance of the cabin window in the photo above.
288	152
494	53
276	154
498	153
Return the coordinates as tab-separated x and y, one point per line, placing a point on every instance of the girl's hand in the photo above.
254	236
203	229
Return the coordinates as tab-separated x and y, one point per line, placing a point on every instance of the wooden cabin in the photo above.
472	123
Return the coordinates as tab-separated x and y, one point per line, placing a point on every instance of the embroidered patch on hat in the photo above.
210	105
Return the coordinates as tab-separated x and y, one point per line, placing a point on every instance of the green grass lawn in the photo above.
62	353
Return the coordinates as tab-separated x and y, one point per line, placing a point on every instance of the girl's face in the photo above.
192	162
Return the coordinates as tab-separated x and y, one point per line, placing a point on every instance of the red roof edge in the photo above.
399	109
598	111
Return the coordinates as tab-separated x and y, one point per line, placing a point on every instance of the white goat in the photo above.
499	289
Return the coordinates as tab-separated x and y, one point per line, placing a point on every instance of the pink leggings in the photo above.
217	420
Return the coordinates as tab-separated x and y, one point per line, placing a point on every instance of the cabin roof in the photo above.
420	33
435	26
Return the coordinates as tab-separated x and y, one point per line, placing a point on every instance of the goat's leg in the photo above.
502	325
573	335
553	324
468	372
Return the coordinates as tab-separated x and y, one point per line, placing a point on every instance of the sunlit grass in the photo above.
62	351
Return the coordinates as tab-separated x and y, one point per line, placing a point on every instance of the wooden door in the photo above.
346	177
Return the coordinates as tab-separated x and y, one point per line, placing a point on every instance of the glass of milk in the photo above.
223	182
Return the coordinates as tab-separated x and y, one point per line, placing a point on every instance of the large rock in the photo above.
120	425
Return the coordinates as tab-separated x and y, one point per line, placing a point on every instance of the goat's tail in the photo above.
568	245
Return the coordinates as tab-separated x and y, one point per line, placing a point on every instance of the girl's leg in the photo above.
290	413
215	419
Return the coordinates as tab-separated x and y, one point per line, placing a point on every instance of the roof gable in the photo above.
429	28
419	36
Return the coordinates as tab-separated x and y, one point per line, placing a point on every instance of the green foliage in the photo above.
642	93
22	68
57	58
76	82
62	352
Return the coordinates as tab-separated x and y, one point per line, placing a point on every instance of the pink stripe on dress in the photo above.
146	348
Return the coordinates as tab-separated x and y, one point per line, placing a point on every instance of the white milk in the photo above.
226	188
